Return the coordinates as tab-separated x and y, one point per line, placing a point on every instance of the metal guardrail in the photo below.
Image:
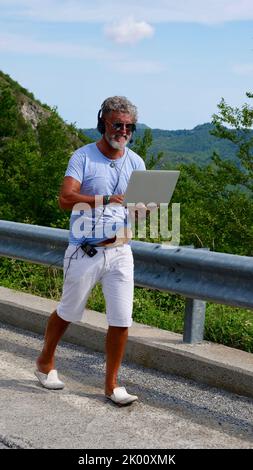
199	275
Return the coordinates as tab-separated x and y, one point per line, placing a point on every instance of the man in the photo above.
99	250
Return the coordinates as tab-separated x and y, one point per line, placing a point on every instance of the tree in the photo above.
239	132
216	200
8	112
32	160
141	146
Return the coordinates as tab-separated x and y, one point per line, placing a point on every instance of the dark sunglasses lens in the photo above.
119	126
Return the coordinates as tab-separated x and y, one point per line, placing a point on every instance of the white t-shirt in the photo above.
100	175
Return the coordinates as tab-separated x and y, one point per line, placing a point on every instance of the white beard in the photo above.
117	145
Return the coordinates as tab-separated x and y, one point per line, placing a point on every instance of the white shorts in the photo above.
113	267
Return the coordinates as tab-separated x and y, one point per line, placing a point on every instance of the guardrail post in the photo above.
194	321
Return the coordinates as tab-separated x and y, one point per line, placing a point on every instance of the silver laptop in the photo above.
149	186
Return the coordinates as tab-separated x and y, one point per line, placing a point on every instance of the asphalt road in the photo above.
172	412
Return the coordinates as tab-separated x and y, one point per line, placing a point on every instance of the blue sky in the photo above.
174	59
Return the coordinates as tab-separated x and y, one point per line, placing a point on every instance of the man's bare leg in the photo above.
56	326
115	346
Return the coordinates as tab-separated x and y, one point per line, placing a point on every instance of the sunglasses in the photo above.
119	126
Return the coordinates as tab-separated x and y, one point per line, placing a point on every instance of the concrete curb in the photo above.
209	363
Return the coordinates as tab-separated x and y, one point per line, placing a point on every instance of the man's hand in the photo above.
116	198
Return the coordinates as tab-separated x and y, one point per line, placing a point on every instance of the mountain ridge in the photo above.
182	145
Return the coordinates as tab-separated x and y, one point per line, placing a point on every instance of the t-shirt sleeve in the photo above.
140	165
76	166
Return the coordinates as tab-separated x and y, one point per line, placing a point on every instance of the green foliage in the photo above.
26	277
214	213
216	200
17	89
32	160
55	150
232	327
141	147
239	133
8	112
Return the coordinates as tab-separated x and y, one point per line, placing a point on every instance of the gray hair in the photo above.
120	104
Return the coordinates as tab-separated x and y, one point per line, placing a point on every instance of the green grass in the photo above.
226	325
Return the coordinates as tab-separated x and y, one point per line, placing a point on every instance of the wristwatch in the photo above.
106	200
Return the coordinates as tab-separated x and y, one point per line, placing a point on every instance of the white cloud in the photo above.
243	69
29	45
100	11
128	31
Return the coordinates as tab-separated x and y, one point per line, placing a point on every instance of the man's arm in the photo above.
70	195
